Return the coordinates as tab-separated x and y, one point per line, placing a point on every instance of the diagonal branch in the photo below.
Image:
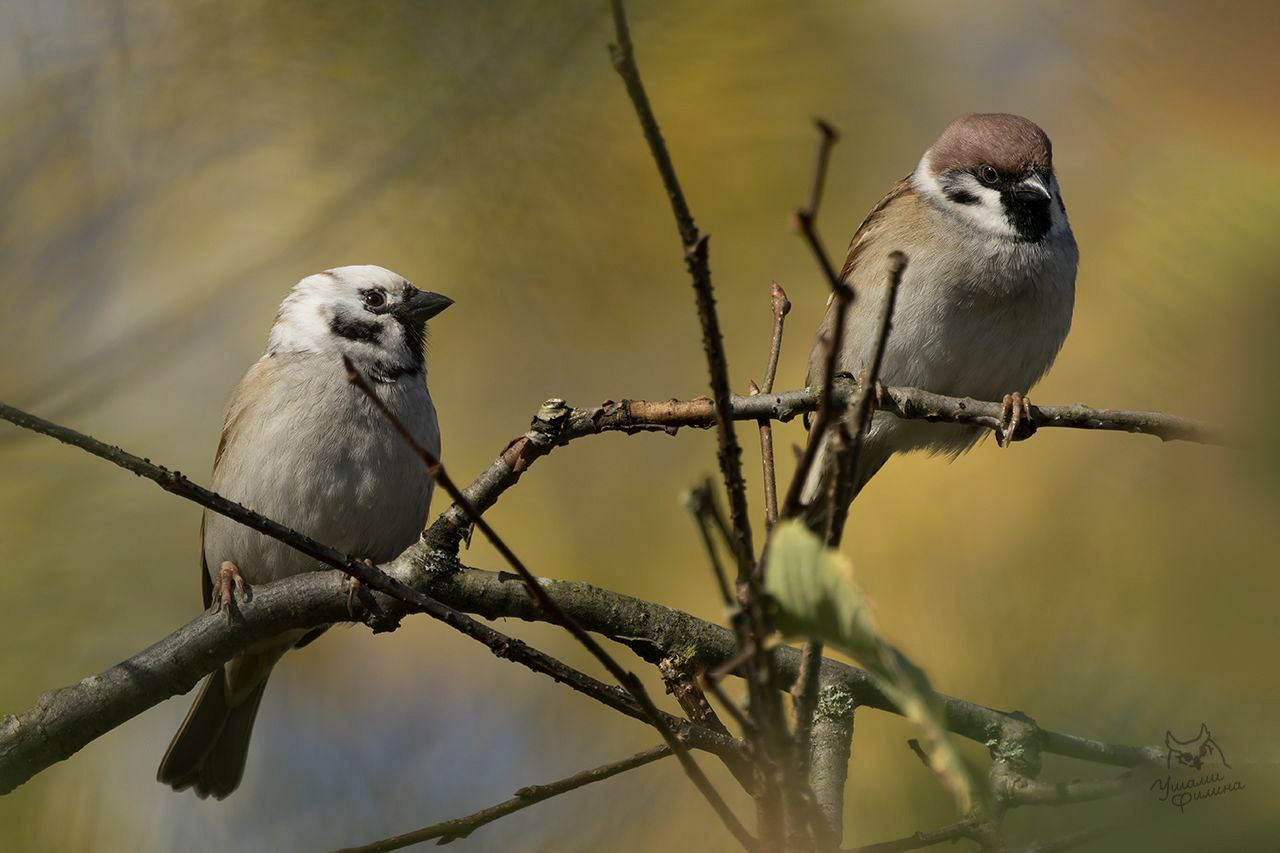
694	245
805	221
853	434
175	483
65	720
462	827
752	622
626	678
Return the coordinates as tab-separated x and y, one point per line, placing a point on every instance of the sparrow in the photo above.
985	301
304	447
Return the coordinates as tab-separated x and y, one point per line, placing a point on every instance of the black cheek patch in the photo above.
960	196
353	329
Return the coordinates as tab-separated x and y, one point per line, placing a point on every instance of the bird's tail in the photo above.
817	487
208	753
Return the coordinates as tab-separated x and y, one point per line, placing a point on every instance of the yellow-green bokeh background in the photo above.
168	170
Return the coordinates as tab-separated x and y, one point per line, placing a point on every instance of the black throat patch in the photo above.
1029	217
415	339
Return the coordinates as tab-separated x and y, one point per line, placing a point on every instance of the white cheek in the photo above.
987	214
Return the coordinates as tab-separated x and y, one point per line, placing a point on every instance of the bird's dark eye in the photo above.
374	298
988	175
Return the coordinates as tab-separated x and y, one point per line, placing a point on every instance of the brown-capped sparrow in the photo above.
985	302
304	447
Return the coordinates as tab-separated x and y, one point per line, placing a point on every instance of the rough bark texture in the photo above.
63	721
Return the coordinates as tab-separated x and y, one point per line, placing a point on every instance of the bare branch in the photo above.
805	221
806	698
625	677
781	307
924	838
831	736
751	622
65	720
1017	790
461	827
680	674
175	483
557	424
853	434
701	503
694	246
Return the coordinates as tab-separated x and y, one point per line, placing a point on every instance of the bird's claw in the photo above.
1016	423
353	590
230	584
878	388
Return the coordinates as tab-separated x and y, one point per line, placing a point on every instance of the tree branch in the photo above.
925	838
751	622
65	720
830	741
624	677
805	221
461	827
781	307
556	424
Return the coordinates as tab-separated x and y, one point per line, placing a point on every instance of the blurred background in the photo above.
169	170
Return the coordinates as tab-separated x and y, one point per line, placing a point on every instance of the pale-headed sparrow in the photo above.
304	447
985	302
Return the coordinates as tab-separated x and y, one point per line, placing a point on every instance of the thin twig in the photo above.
805	221
694	246
781	307
751	623
1070	840
701	503
557	424
175	483
624	677
716	689
924	838
853	434
461	827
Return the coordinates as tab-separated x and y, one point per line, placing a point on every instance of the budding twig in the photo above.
781	307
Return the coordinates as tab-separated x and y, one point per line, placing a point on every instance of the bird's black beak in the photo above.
421	305
1033	188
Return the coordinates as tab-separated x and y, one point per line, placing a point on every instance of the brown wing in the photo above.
856	247
234	410
858	243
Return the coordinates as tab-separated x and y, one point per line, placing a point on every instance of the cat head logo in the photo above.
1194	753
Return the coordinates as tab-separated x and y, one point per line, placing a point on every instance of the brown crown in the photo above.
1013	144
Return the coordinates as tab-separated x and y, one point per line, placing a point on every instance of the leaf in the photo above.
815	595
